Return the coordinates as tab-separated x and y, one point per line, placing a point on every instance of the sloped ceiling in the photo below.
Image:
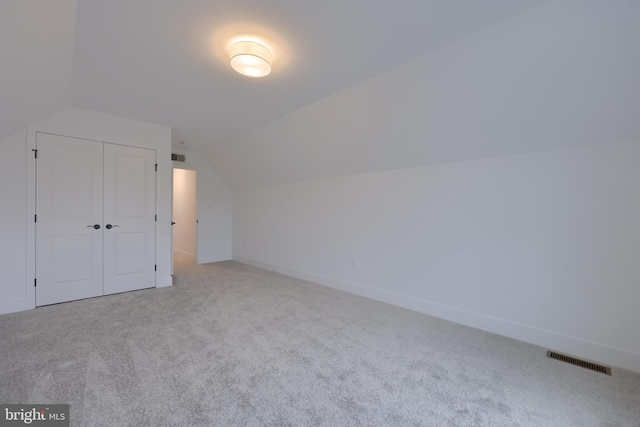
163	61
36	53
562	75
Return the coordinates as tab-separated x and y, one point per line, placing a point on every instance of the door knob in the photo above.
109	226
173	223
96	226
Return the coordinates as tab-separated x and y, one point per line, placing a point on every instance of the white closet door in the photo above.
69	204
129	223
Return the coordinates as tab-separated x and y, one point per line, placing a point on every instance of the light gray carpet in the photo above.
233	345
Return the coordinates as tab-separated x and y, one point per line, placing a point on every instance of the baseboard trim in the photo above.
550	340
184	252
15	305
164	281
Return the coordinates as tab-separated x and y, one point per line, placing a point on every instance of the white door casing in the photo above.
129	223
69	203
81	184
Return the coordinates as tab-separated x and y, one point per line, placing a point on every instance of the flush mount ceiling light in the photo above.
250	58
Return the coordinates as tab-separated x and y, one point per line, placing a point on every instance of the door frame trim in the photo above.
32	132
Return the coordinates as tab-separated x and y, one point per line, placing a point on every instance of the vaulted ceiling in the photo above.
36	58
163	61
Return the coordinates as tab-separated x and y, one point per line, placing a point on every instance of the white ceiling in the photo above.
36	55
500	76
162	61
564	74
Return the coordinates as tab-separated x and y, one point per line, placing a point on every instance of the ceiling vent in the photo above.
177	157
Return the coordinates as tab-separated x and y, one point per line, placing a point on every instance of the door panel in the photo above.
130	250
129	194
72	258
69	201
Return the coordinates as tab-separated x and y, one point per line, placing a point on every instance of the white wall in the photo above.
542	247
18	186
214	209
185	212
539	241
13	223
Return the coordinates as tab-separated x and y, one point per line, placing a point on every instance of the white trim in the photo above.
15	305
164	281
594	351
32	132
184	252
31	225
33	129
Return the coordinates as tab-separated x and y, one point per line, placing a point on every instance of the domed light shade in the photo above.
250	58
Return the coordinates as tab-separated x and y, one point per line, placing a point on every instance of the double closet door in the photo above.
95	218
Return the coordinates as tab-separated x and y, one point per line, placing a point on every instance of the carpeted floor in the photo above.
233	345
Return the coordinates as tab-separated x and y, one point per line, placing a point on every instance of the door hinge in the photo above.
156	167
155	267
35	283
35	152
156	218
35	218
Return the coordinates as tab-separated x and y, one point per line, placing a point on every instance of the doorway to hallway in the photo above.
185	219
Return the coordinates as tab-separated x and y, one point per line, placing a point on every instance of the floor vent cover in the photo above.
578	362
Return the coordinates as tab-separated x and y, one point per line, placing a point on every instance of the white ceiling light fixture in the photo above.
250	58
